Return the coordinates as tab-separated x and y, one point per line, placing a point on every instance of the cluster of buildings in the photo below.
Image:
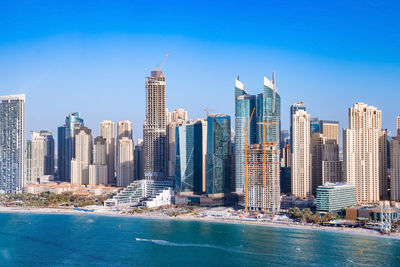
252	165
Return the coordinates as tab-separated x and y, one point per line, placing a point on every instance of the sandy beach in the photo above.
357	231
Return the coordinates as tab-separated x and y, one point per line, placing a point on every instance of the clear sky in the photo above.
93	56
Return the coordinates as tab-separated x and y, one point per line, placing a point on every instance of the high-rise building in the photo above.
66	145
263	178
189	158
315	125
138	159
331	165
362	152
83	156
330	130
244	106
271	113
398	125
301	161
395	167
98	169
178	117
12	143
107	131
39	156
154	128
286	156
219	153
317	142
293	108
124	129
125	161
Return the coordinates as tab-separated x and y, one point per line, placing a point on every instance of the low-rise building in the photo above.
335	197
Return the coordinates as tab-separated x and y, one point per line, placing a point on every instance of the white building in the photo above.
12	143
124	129
97	174
107	131
301	156
83	156
125	161
364	152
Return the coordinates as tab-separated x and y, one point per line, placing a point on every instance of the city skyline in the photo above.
62	61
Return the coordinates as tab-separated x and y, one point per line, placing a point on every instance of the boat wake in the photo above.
172	244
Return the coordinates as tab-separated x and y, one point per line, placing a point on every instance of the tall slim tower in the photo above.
125	161
107	131
66	144
244	106
98	169
83	156
362	152
154	127
301	156
39	156
395	165
12	143
124	129
293	108
317	142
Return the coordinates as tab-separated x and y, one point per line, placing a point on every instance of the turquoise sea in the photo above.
90	240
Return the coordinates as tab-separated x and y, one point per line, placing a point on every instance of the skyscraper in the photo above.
138	159
66	144
125	161
178	117
189	158
317	142
98	169
124	129
219	153
12	143
107	131
154	127
331	165
395	165
83	156
330	130
301	161
263	178
244	106
39	156
293	108
315	126
362	155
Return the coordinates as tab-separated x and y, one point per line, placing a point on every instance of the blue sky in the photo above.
93	56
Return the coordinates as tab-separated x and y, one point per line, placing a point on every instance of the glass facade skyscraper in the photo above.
66	144
189	157
12	143
244	105
219	153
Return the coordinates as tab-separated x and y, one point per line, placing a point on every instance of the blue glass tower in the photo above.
66	145
219	154
244	105
315	126
189	158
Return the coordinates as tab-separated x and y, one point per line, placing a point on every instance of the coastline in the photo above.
353	231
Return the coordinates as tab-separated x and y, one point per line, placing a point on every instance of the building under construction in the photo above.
263	189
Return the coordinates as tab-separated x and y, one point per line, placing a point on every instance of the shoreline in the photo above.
353	231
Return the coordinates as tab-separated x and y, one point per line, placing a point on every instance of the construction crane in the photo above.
207	110
245	131
265	144
165	59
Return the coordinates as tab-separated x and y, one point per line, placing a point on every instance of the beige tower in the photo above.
398	125
83	156
363	151
98	170
125	161
301	156
154	128
107	131
316	145
330	130
395	168
124	129
331	165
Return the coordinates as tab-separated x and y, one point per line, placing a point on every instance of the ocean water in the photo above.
90	240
